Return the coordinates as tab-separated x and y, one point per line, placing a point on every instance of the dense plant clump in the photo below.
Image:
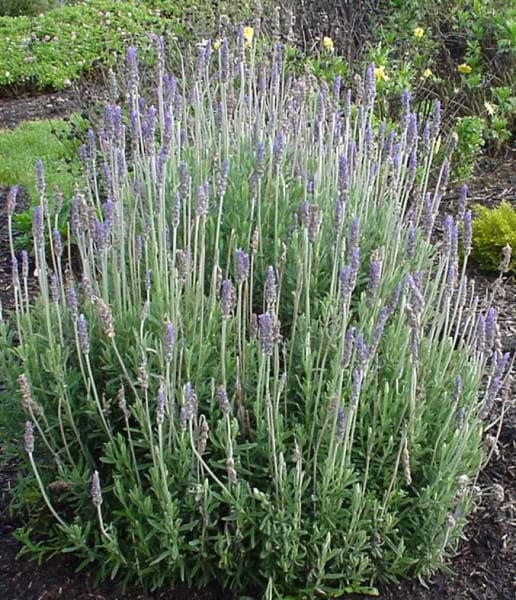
248	361
494	230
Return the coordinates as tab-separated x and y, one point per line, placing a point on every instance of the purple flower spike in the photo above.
260	159
343	179
168	341
405	102
374	278
71	300
242	266
339	214
463	200
160	405
467	233
222	395
370	87
176	209
341	424
37	226
82	334
266	333
490	329
362	351
11	199
355	387
411	240
348	347
40	178
271	290
353	235
201	209
227	299
436	119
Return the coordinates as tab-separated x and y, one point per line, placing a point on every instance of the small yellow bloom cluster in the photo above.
427	73
248	33
464	68
380	74
419	32
327	42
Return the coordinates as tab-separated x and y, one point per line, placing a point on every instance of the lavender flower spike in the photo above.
96	492
82	334
227	299
372	284
270	287
242	266
29	437
266	333
168	341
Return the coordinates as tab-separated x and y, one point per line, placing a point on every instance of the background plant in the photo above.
493	230
249	363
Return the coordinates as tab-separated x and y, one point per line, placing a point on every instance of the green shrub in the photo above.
263	377
16	8
493	230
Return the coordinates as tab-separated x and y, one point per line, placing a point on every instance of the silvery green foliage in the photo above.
253	374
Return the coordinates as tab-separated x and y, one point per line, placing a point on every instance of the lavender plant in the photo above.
248	362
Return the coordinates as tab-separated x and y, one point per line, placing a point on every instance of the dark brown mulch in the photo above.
484	567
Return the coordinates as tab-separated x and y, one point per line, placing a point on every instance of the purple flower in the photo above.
372	283
71	300
277	150
356	384
405	102
11	199
25	264
343	177
201	209
160	405
490	328
222	395
260	159
37	226
227	299
40	178
82	334
341	424
223	179
411	240
270	287
96	492
361	350
353	235
54	290
467	234
369	87
395	298
242	266
176	209
168	341
266	334
436	119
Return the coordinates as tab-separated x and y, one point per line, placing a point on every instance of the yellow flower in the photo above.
248	33
464	68
419	32
380	74
217	44
490	108
327	42
427	73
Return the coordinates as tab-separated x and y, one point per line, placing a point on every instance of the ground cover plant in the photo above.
249	362
91	35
